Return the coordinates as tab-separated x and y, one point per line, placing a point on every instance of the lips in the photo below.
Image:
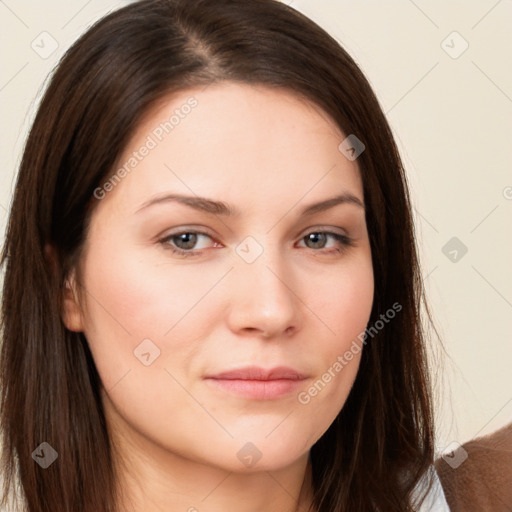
258	383
257	373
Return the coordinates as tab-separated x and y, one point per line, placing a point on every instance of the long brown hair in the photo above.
381	443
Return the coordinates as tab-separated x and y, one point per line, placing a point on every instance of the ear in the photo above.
71	313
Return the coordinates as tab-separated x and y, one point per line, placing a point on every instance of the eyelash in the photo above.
343	239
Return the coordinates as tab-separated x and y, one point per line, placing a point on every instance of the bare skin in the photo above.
188	442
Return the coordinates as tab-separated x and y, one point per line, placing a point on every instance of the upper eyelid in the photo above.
206	231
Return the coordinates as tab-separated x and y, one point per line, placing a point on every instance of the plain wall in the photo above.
451	111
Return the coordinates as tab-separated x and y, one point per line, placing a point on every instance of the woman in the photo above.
212	292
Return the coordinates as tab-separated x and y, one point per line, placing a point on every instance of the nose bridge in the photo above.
264	266
263	297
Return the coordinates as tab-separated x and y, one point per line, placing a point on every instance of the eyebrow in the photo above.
221	208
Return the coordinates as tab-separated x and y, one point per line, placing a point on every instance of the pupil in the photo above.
189	240
314	237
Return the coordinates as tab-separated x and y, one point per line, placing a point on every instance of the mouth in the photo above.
257	383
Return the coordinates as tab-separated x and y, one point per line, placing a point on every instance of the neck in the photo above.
151	477
182	485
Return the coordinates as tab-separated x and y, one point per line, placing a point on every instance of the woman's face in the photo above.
232	351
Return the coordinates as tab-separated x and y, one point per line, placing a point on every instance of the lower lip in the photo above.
258	389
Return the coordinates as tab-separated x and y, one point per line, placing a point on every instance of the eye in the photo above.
318	240
183	242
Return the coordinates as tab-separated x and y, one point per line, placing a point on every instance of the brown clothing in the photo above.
483	482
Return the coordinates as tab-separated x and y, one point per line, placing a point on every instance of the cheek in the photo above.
343	303
130	301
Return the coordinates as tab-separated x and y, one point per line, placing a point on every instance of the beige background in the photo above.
451	111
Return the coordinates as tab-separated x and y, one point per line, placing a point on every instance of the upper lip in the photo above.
258	373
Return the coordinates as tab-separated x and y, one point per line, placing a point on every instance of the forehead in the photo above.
251	146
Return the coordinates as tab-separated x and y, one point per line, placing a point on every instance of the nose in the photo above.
264	299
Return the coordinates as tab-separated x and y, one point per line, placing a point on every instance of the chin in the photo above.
258	453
